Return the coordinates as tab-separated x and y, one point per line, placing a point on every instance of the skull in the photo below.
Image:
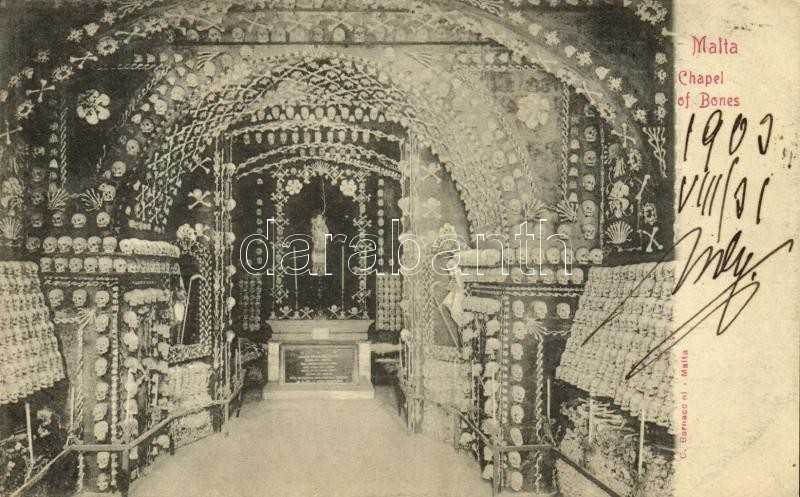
516	372
577	276
61	264
102	479
516	436
518	308
90	264
360	34
37	197
37	174
131	319
100	391
78	245
33	243
46	264
517	351
100	366
105	264
514	459
109	192
590	158
540	310
563	310
64	244
103	219
589	231
78	220
553	255
101	322
562	277
118	169
132	147
596	255
518	330
93	244
75	265
109	244
57	219
102	459
100	411
50	244
518	393
589	208
507	183
516	481
588	182
517	414
56	297
120	265
101	345
37	220
101	298
590	134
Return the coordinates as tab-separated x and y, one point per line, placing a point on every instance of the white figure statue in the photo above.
318	231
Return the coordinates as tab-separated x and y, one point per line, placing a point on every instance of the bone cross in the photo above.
253	23
82	60
625	136
41	90
591	94
651	235
8	132
200	198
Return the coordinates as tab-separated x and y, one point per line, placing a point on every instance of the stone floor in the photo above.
309	448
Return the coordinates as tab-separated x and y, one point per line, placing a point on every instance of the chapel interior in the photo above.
154	339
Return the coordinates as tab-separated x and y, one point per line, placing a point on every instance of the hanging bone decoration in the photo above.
81	61
646	179
43	88
8	132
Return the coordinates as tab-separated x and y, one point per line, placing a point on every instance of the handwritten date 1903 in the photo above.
733	262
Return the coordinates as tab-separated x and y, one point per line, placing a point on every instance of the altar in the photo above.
319	358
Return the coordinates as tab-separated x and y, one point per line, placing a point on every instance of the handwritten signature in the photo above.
734	261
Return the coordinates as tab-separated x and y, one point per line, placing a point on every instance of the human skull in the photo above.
563	310
100	366
517	414
516	481
577	276
37	174
518	308
103	459
57	219
109	192
589	208
93	244
79	297
562	277
102	479
514	459
64	244
37	220
590	134
105	264
100	391
118	169
33	243
61	264
132	147
78	245
540	310
100	411
37	197
75	265
46	264
109	244
56	297
101	322
517	351
589	231
516	436
131	319
518	393
78	220
590	158
507	183
120	265
101	298
588	182
516	372
596	256
518	330
553	255
50	244
103	219
101	345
